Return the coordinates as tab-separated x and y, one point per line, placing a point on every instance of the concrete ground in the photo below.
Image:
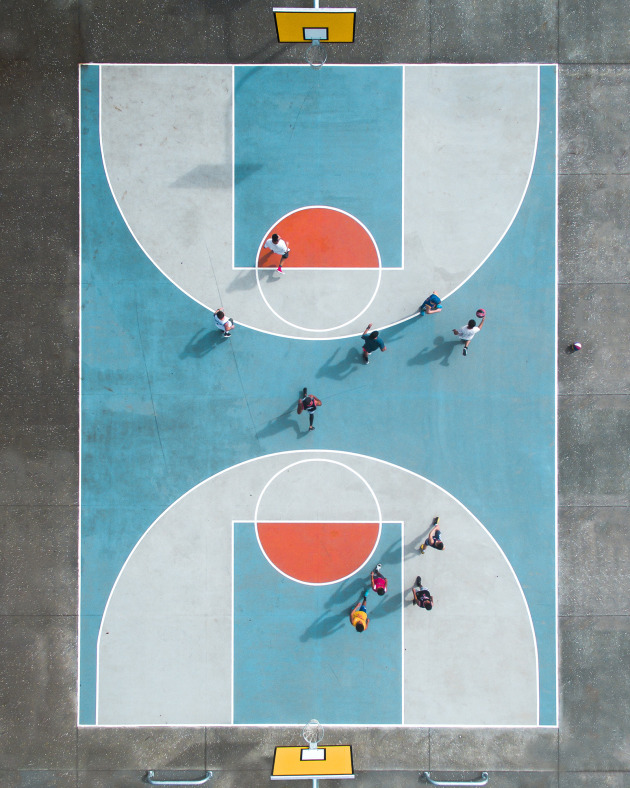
40	47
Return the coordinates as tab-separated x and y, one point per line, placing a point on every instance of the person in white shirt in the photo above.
223	323
277	245
466	333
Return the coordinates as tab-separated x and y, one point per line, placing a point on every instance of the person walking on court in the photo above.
277	245
466	333
223	323
431	305
421	595
371	342
309	403
379	581
434	539
358	616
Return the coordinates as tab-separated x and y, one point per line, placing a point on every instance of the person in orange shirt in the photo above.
358	616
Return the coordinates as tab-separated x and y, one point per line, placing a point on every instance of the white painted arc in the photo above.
152	163
163	598
297	500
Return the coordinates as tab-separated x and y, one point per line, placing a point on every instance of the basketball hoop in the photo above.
313	733
316	55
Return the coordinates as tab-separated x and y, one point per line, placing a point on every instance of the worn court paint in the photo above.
331	137
161	393
304	638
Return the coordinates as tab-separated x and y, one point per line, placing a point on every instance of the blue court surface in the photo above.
188	440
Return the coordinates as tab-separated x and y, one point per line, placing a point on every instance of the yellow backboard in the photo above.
303	25
301	763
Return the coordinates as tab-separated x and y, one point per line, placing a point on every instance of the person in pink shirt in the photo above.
379	581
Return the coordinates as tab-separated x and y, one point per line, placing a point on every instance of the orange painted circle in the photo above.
318	552
321	238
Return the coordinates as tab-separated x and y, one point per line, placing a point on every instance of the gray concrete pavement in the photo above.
40	47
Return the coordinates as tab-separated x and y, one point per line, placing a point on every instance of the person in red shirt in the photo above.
379	581
310	404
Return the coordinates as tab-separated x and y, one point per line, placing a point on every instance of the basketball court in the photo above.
222	543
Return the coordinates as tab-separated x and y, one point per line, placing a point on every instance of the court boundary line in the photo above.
233	66
403	525
557	392
316	454
556	109
232	643
80	399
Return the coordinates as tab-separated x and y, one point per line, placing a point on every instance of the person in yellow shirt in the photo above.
358	616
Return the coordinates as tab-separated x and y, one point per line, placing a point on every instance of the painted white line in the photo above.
518	207
333	462
79	499
98	639
402	622
233	174
557	539
352	319
304	65
119	206
300	726
402	173
325	456
232	644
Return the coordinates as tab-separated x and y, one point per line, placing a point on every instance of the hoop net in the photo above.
313	733
316	56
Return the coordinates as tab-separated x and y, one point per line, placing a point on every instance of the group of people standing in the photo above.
421	594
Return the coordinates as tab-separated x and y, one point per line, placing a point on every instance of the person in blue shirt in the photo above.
371	342
431	305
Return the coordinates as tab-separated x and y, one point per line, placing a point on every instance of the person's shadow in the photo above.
441	352
201	343
343	367
412	549
390	604
287	420
245	280
327	624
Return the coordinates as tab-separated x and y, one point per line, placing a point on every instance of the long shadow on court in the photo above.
202	343
285	421
441	352
341	368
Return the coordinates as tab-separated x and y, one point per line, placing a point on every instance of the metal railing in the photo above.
149	777
483	780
